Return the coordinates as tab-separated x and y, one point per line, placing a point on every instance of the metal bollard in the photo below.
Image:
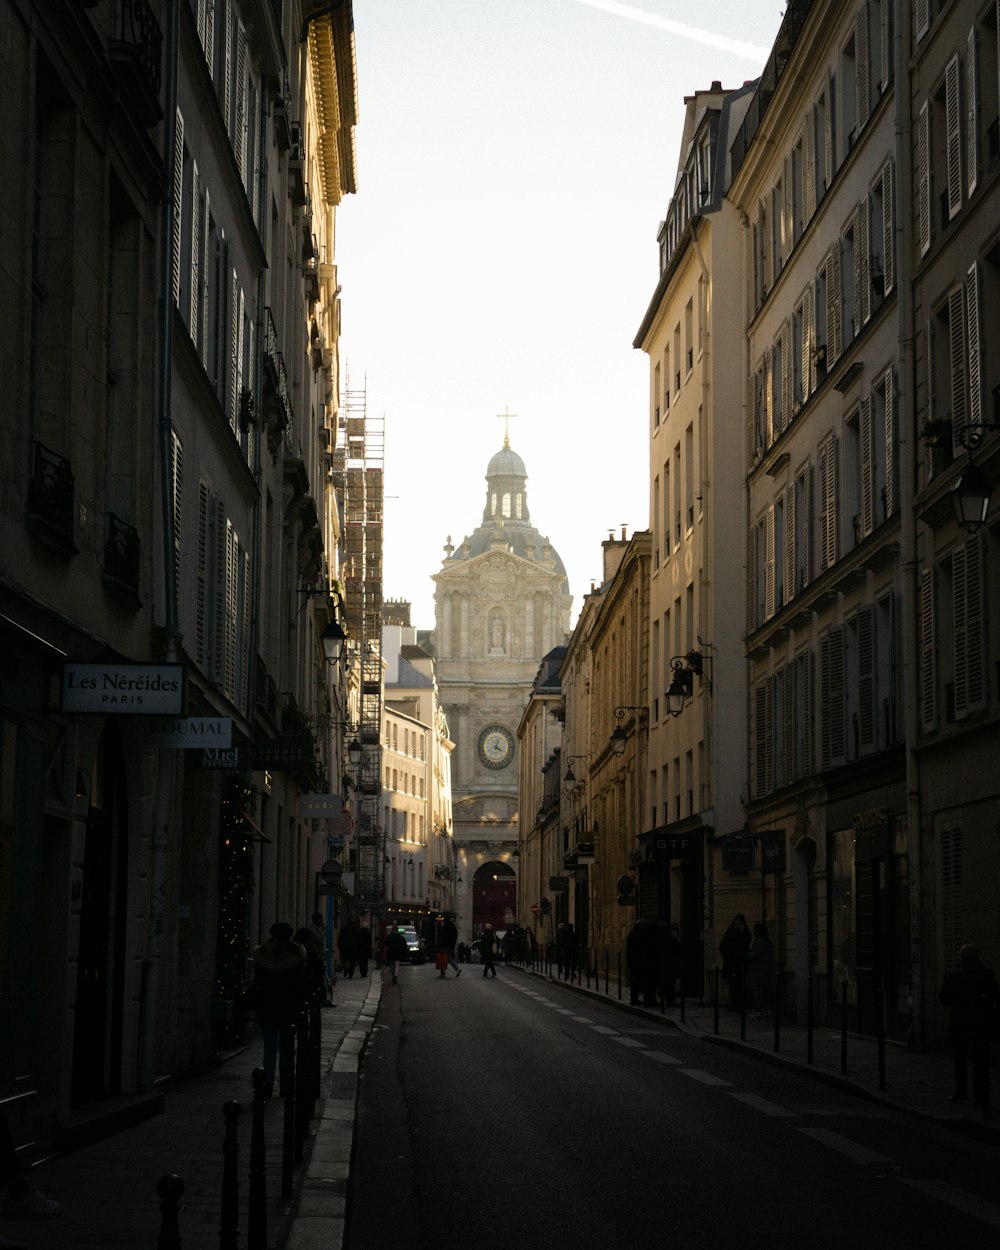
809	1018
170	1188
303	1084
229	1224
316	1051
843	1028
257	1214
715	996
288	1126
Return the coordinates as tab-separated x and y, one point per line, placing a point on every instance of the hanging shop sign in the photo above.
279	755
187	733
772	850
737	853
129	689
321	806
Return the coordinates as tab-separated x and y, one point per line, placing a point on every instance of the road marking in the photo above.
582	1019
763	1104
565	1011
853	1150
659	1056
959	1199
706	1078
630	1041
602	1028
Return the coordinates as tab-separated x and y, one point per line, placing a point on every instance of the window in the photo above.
833	741
848	96
689	336
795	362
862	64
888	647
862	267
800	527
803	697
830	284
885	447
928	652
828	502
922	179
656	397
968	577
881	234
853	474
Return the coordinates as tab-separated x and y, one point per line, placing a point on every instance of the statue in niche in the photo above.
496	635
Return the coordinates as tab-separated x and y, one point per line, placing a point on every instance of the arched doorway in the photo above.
494	896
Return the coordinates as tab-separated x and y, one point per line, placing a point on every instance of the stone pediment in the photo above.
496	567
485	809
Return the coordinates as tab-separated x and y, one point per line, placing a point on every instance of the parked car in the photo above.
417	954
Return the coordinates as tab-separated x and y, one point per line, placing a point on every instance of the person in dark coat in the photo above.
315	968
635	953
396	950
347	944
363	940
447	939
733	948
972	995
760	968
668	956
487	947
279	991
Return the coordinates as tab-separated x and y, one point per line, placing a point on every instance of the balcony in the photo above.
135	53
50	500
121	561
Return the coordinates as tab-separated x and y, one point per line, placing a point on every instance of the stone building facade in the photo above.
501	603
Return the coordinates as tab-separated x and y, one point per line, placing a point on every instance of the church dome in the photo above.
506	463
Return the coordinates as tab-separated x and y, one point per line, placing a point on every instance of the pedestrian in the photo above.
315	972
733	948
635	949
972	995
462	951
446	942
668	958
22	1201
507	947
487	944
363	937
396	950
347	944
760	969
279	993
558	946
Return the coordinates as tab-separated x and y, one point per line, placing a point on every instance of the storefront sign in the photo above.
279	755
129	689
737	853
772	850
321	806
193	732
223	757
558	885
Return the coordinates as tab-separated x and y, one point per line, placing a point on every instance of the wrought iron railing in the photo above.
121	554
51	493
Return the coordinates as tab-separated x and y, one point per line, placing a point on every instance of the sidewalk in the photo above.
915	1082
108	1190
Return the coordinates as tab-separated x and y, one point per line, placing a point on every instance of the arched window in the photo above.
518	505
506	504
493	505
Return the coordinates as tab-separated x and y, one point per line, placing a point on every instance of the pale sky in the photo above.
515	158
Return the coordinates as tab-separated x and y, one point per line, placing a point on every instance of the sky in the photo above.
515	159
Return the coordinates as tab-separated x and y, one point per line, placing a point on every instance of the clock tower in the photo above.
502	602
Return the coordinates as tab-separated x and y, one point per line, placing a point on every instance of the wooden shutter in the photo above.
923	179
867	713
972	333
786	374
863	244
788	212
202	573
952	903
808	334
957	356
858	275
226	85
867	467
888	222
766	251
809	166
751	604
834	333
175	255
240	135
861	64
194	292
769	563
208	35
788	555
828	154
972	115
235	339
808	713
890	445
928	652
177	479
206	263
833	735
750	433
767	371
958	609
828	500
953	135
967	618
219	585
787	674
885	45
921	18
243	632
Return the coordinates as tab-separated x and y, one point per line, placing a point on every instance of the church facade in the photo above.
502	602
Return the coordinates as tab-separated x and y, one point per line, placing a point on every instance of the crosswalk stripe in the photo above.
958	1198
763	1104
706	1078
629	1041
603	1028
660	1057
853	1150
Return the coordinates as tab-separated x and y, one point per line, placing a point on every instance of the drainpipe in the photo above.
151	1027
908	524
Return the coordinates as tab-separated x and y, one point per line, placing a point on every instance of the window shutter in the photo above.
828	136
760	698
972	109
858	274
972	327
769	560
863	244
832	729
786	374
924	178
205	267
750	434
235	339
861	64
959	617
240	137
928	652
867	468
834	340
888	219
957	356
227	67
208	34
931	404
232	566
808	701
788	222
885	46
809	166
789	553
967	607
788	724
867	720
808	334
953	135
177	478
921	18
194	294
175	256
201	587
243	633
828	499
765	246
890	445
952	906
751	579
218	581
768	400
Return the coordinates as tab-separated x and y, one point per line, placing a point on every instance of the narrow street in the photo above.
514	1112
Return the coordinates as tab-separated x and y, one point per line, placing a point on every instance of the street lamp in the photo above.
971	496
570	775
681	687
619	737
333	638
354	753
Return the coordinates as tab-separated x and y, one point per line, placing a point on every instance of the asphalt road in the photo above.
514	1113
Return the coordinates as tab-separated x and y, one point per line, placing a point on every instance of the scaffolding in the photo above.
361	440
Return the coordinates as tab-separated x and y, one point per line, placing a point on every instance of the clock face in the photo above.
496	746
